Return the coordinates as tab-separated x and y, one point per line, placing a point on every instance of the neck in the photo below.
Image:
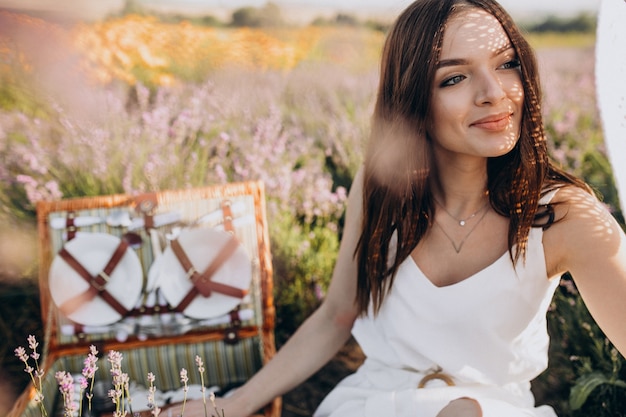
460	191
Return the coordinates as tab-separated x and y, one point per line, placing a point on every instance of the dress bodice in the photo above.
489	328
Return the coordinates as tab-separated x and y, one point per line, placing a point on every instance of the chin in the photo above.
501	151
504	148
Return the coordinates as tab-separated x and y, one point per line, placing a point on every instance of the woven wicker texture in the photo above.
165	353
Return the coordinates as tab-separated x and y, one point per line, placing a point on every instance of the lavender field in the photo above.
300	129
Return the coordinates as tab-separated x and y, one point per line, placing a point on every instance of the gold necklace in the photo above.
462	222
457	248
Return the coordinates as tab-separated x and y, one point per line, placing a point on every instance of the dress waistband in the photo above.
387	377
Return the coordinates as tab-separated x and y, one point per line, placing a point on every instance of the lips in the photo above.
496	122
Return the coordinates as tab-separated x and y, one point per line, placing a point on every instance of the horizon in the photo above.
299	10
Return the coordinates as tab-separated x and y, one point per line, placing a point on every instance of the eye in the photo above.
452	80
512	64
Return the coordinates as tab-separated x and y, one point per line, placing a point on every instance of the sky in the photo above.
97	8
511	5
523	7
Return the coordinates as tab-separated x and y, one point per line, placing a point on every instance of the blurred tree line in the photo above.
581	23
271	15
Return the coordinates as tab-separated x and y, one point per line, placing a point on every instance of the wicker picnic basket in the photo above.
161	278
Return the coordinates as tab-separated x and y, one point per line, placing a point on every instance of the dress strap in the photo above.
545	214
548	196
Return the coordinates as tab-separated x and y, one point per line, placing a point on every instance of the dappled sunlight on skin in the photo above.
477	94
513	137
595	216
479	114
483	33
597	269
494	40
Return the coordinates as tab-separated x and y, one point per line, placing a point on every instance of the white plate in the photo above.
201	247
93	251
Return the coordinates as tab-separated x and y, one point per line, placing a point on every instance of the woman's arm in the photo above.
590	244
316	341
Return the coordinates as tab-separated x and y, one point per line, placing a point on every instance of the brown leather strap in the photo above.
115	258
70	226
72	304
184	303
97	283
146	205
231	333
202	283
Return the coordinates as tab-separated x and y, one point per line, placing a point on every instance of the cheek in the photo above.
519	113
516	95
449	111
441	120
515	91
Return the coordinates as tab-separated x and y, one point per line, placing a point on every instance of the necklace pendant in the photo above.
462	223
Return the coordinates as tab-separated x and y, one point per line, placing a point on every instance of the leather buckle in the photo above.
437	374
231	334
191	272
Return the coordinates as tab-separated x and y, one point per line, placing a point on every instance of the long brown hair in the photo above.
398	162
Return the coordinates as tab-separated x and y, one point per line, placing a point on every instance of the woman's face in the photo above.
477	96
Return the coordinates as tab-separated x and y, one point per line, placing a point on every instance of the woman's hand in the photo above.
461	407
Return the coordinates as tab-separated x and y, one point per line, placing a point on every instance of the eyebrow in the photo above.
461	61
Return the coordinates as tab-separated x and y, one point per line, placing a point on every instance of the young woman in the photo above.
457	231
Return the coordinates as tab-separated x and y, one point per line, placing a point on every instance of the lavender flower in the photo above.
184	379
66	387
200	366
155	410
36	374
212	398
89	372
120	392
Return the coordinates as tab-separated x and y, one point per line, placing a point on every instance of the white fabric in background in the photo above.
611	86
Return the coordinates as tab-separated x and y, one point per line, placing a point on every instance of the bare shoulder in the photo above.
578	210
587	242
584	230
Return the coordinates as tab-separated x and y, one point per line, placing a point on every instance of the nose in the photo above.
490	89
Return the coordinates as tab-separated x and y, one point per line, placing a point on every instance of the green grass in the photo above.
561	40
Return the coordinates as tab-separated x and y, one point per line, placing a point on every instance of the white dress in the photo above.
488	332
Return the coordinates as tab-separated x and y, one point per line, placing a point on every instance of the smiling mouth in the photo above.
495	124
